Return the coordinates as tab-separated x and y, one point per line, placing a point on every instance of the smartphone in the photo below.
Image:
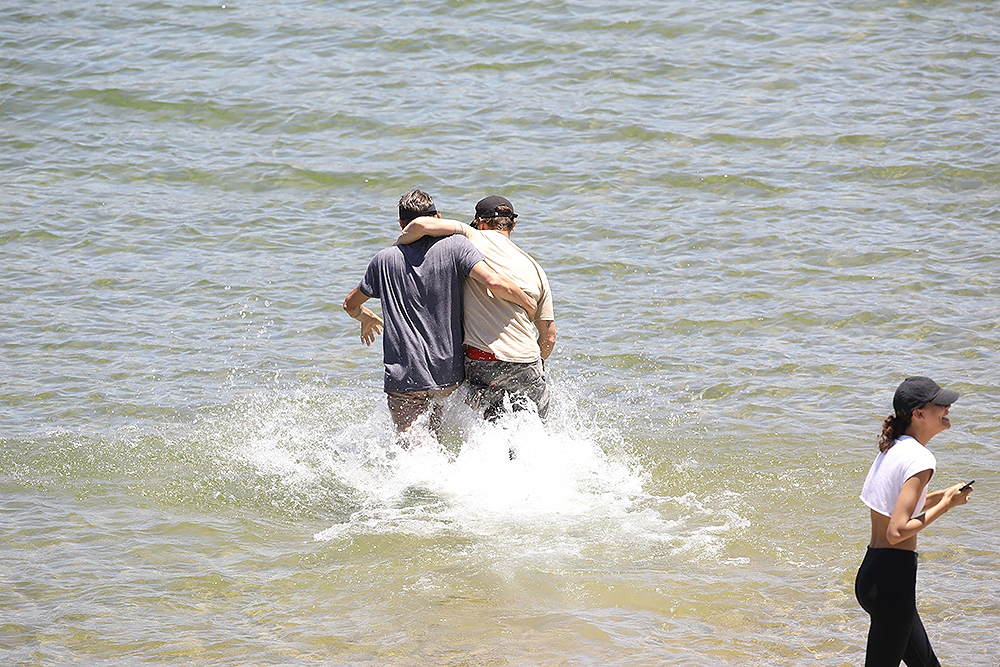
967	486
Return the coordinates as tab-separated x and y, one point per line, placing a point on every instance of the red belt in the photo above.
480	355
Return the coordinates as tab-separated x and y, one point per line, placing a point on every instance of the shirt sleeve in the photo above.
544	311
922	460
370	283
467	255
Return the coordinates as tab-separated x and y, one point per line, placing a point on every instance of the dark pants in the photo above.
491	382
886	588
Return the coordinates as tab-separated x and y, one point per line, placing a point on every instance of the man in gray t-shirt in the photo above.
420	287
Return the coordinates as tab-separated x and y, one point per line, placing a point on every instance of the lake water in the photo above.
757	218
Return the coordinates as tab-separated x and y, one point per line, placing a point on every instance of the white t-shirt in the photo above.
499	326
889	472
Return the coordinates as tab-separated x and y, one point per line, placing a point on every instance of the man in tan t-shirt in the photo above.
504	354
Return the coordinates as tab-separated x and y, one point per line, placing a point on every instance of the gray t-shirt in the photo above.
420	287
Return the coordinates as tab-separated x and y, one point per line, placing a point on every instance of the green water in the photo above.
756	217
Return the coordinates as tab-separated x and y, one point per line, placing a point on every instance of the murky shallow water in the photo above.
756	217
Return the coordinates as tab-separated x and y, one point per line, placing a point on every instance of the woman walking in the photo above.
896	492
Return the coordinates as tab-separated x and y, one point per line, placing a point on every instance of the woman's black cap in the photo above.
918	391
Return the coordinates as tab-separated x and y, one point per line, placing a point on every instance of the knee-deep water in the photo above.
756	217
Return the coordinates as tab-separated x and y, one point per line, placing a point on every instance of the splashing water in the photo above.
571	488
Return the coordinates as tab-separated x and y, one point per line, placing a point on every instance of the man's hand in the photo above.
371	325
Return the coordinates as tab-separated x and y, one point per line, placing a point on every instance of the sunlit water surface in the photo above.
757	218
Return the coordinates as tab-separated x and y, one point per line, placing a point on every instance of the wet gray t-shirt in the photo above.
420	287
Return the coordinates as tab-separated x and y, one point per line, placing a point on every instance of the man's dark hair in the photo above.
502	221
414	204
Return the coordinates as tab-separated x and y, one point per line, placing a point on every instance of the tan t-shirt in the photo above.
499	326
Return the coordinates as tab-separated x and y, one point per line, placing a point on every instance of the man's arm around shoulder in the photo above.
430	226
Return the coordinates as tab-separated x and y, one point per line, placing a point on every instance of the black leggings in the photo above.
886	588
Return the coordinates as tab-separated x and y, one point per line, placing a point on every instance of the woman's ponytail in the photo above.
892	428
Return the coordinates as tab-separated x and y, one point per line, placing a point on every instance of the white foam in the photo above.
571	486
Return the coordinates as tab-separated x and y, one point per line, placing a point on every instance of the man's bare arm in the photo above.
546	337
429	226
502	287
371	324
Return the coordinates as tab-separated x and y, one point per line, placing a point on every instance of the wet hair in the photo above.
502	222
414	204
892	428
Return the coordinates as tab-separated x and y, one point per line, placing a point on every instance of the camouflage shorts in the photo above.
490	382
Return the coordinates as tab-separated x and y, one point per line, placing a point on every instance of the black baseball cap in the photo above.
918	391
487	207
